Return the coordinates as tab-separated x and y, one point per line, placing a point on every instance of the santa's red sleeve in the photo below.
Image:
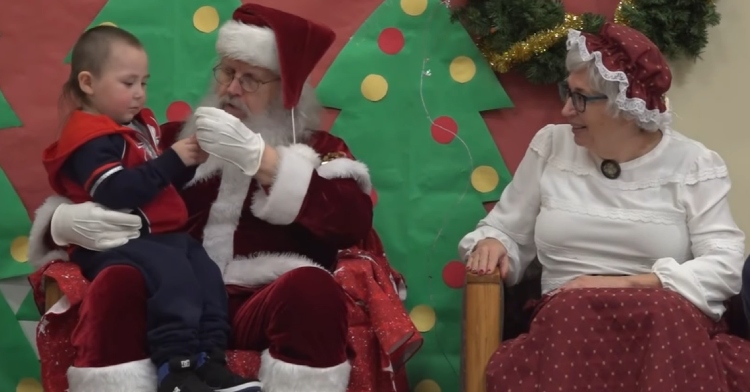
322	187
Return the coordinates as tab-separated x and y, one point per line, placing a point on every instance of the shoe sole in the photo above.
252	386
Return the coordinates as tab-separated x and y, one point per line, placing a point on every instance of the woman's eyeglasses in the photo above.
579	100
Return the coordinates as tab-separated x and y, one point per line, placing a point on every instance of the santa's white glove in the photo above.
225	136
93	227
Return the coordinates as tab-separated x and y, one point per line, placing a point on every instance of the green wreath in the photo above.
504	28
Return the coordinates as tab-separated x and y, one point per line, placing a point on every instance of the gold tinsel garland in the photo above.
538	43
619	18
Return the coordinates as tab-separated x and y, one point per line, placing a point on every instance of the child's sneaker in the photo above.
179	375
213	371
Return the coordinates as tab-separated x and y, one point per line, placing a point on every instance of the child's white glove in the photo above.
225	136
93	227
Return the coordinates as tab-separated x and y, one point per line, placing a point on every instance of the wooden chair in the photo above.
483	326
52	293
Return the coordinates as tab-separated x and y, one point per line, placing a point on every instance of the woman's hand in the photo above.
486	256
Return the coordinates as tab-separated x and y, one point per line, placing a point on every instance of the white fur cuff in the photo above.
39	253
284	201
279	376
136	376
347	168
262	269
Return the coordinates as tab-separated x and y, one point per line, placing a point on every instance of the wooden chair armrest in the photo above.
483	326
52	293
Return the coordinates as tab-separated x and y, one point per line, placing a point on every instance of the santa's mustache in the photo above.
234	102
222	102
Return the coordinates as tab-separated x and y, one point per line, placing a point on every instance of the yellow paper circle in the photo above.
107	24
206	19
462	69
484	179
427	386
414	7
374	87
19	249
29	385
423	317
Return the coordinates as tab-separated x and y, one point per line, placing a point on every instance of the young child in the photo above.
108	153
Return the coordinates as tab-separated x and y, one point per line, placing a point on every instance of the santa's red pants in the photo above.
298	323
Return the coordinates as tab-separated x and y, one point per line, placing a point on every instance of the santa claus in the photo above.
274	204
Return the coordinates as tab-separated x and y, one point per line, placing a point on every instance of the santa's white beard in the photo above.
275	125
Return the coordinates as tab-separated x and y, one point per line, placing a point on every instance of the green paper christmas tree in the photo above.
179	37
8	118
14	229
19	365
411	85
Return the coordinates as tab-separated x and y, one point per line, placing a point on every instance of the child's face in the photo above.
120	90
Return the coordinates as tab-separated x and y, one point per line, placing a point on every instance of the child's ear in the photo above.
85	82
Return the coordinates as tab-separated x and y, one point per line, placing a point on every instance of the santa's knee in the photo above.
310	318
307	334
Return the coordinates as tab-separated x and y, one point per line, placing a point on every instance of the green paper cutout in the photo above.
426	202
180	56
8	118
28	310
18	360
14	224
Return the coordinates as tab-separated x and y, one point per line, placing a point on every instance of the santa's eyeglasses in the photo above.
225	75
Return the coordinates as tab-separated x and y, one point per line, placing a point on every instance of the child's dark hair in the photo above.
90	53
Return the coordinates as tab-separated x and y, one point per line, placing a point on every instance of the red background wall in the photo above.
35	35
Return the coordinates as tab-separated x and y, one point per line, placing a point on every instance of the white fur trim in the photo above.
224	216
264	268
284	201
347	168
279	376
252	44
306	152
39	253
207	170
136	376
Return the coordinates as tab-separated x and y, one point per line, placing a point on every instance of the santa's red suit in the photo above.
309	286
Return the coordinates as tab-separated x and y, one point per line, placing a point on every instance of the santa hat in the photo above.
286	44
624	55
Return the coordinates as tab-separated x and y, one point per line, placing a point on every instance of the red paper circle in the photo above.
178	111
444	129
454	274
374	196
391	40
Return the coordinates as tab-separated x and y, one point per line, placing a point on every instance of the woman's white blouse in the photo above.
667	213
